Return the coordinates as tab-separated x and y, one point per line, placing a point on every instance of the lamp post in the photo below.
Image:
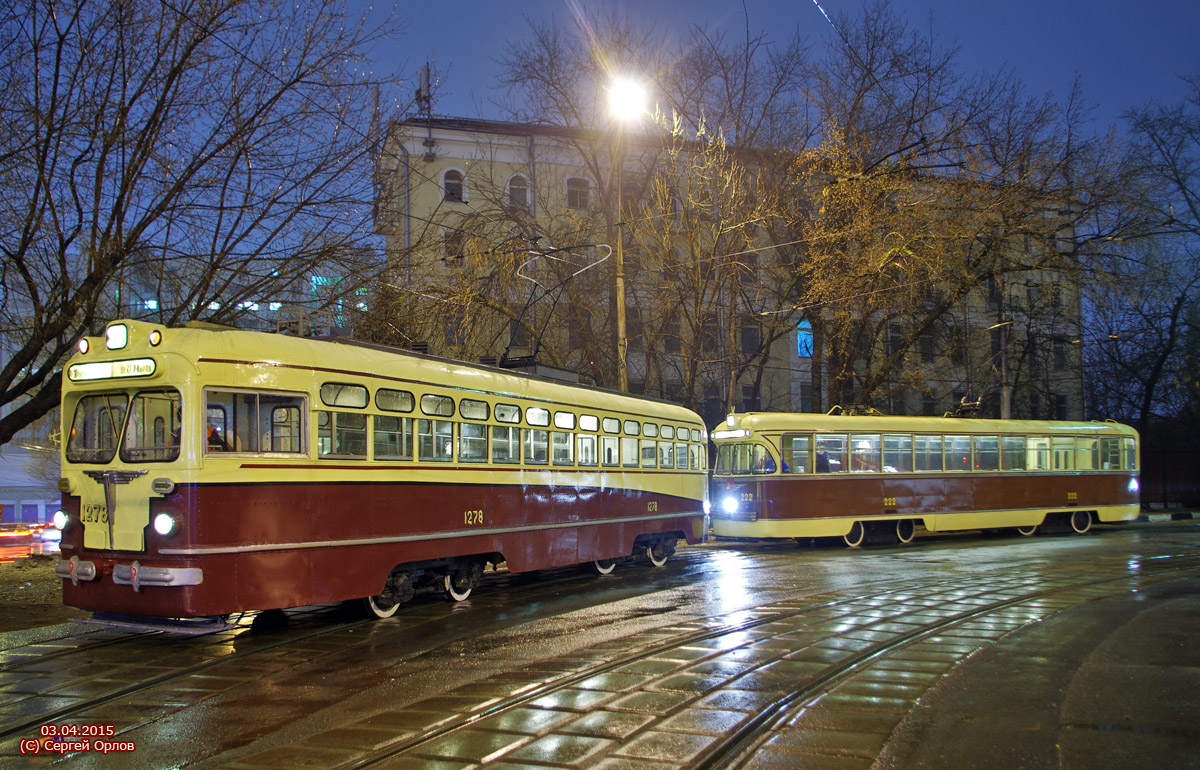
626	103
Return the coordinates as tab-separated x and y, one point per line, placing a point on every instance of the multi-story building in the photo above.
511	241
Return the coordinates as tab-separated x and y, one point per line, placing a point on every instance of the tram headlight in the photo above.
707	507
164	524
60	520
1134	486
83	345
730	505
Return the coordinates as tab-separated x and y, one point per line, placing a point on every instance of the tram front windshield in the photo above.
145	428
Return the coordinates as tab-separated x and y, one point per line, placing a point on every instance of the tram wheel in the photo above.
1027	531
604	566
1081	521
906	530
855	537
657	554
457	586
381	606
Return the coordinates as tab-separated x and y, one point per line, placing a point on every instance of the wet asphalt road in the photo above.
955	652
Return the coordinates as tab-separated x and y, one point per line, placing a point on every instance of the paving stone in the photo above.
691	685
570	750
865	703
530	721
405	721
471	745
671	748
361	738
627	763
655	703
749	701
857	686
572	700
847	721
294	757
703	721
650	667
617	725
612	682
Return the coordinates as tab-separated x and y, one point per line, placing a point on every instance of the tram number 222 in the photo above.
473	518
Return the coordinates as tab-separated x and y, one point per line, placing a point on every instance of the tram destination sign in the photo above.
111	370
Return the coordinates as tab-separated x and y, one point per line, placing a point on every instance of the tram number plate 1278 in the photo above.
94	512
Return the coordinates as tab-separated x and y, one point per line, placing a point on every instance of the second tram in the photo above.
208	471
876	478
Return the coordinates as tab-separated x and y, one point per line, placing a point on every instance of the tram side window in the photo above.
987	453
537	444
342	434
609	451
146	436
742	459
649	453
1087	453
472	440
1110	453
666	454
629	452
927	453
1062	452
260	422
393	438
831	454
561	446
795	453
897	453
435	439
587	448
694	458
1038	453
282	427
864	452
95	427
343	394
681	456
506	443
1012	453
958	453
1131	458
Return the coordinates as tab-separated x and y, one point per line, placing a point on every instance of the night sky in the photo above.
1125	52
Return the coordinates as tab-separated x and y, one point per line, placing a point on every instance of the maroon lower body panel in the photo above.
266	546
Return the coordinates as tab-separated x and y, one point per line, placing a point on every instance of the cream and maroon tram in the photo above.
210	471
876	478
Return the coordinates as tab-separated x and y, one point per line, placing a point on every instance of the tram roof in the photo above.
774	422
346	357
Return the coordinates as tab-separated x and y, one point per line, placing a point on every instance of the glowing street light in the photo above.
626	103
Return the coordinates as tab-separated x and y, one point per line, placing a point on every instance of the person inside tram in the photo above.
822	463
216	443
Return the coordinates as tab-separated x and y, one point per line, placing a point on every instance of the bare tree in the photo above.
1142	355
173	160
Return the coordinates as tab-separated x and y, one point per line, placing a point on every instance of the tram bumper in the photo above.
75	569
138	575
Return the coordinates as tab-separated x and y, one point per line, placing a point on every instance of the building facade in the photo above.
512	241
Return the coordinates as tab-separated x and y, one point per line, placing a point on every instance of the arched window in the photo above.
454	186
578	193
518	193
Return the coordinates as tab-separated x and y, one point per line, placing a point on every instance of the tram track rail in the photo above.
738	747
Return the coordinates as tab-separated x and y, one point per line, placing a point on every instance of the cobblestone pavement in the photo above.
1058	652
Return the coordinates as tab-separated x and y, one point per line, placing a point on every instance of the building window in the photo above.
518	193
1062	407
454	186
751	339
578	193
1060	354
453	242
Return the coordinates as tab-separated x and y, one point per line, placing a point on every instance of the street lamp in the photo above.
626	104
